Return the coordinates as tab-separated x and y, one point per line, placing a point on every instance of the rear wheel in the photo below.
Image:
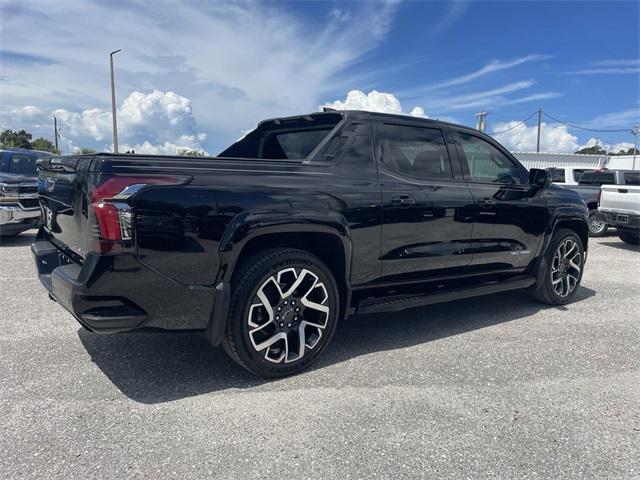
563	272
597	225
632	238
284	310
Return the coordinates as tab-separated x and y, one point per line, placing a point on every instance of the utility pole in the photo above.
635	132
55	132
539	128
113	103
482	123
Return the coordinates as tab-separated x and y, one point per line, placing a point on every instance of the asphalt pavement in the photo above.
493	387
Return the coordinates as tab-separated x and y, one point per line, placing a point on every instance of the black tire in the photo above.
632	238
258	274
547	291
597	225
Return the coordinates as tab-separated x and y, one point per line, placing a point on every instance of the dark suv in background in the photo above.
19	207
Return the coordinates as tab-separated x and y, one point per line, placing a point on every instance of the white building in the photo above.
546	160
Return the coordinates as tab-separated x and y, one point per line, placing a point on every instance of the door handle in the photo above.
403	200
486	202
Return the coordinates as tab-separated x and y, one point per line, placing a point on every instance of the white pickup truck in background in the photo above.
620	205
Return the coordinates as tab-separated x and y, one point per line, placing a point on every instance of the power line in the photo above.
517	125
584	128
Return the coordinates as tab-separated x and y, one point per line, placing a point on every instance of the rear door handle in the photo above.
403	200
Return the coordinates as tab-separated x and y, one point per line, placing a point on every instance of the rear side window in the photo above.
22	164
485	163
597	178
632	178
293	145
557	174
415	151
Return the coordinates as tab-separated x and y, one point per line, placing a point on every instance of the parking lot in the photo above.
489	387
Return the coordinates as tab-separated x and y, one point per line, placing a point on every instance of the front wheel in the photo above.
283	312
597	225
564	266
632	238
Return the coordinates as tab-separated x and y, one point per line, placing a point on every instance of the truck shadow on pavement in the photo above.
622	246
153	367
22	240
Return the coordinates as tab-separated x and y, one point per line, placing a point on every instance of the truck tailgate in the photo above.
62	188
621	198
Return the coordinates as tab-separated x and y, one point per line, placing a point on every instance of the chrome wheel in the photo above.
288	315
566	268
596	224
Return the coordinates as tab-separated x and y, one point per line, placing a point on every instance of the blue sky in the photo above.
199	74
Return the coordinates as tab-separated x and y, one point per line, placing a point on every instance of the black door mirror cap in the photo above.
539	178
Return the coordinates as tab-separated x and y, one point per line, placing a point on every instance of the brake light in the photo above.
113	212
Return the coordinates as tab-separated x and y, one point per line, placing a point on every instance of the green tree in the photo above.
593	150
21	139
185	152
43	144
87	150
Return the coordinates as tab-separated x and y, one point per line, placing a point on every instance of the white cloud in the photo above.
26	111
611	67
166	148
609	147
624	119
374	101
153	122
491	67
456	9
522	138
238	62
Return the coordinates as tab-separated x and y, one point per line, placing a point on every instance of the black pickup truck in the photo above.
302	222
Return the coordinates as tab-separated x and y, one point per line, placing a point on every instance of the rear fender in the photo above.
250	225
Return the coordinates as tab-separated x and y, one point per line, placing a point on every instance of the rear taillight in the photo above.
113	212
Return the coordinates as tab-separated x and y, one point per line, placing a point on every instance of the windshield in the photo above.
23	164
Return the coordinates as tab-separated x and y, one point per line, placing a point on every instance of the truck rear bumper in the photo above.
622	220
110	294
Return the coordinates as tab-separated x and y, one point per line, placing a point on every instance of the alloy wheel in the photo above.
566	267
288	315
596	224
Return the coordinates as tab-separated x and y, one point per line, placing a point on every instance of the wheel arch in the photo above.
324	234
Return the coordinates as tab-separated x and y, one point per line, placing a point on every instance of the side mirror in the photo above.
539	179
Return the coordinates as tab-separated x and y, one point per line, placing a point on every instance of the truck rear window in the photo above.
291	138
632	178
597	178
557	174
294	145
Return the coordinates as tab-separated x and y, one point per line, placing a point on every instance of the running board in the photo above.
397	303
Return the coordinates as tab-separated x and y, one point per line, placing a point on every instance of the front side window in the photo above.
23	164
485	163
415	151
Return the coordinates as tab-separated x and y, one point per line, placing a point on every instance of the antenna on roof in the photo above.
329	109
